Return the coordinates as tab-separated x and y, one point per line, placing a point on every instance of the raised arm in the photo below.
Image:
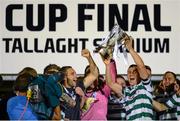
137	59
93	75
111	76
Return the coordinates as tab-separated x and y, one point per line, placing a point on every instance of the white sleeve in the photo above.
173	102
147	84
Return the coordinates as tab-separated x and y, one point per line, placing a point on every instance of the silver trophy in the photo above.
116	35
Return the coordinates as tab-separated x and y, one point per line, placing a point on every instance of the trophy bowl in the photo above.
116	35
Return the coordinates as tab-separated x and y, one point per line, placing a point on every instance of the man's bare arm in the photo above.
93	75
159	106
137	59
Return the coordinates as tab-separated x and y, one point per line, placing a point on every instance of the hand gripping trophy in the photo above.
115	37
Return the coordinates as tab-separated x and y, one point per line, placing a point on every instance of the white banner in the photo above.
36	33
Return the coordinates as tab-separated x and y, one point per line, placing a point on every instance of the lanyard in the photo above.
72	95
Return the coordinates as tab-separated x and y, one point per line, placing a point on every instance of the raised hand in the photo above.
128	42
107	61
85	53
162	85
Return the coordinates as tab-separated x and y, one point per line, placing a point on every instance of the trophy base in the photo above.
105	53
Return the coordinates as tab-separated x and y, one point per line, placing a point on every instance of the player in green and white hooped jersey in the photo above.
173	102
138	97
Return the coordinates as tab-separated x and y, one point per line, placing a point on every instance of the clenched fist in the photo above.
85	53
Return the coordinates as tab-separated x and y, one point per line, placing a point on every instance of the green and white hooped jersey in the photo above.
174	102
139	101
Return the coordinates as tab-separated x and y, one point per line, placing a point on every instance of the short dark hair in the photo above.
170	73
22	81
101	81
120	76
63	70
132	65
51	69
148	67
29	70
